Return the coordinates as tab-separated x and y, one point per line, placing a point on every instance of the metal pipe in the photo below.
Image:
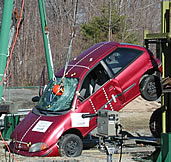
46	39
4	39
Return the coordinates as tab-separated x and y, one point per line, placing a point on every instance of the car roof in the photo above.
87	59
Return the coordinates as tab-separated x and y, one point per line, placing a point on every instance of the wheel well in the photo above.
73	131
150	72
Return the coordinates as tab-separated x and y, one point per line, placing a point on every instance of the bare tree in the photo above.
29	59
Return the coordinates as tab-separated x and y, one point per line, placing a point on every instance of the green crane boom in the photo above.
4	39
46	39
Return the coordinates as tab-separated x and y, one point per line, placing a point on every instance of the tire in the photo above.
90	141
155	123
150	87
70	145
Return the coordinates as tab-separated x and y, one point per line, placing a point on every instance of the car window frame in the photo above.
104	66
112	74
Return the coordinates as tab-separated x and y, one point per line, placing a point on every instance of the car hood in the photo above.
34	128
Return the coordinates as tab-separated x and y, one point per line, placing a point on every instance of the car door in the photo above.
91	96
127	66
109	96
106	93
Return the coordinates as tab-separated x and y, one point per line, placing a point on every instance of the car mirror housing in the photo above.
36	98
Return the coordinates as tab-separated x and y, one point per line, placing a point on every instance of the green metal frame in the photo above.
4	38
165	153
164	40
46	39
11	122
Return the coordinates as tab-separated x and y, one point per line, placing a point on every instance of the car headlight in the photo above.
38	147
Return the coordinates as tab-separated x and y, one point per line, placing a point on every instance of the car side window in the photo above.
121	58
93	81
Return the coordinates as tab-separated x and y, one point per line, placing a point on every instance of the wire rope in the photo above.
71	40
7	147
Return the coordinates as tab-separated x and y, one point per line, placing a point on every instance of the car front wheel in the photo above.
150	87
70	145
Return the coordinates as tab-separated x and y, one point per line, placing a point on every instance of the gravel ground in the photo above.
131	154
134	119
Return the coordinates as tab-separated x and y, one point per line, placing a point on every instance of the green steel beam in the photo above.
46	39
165	24
158	36
165	28
164	153
10	123
164	35
4	38
164	17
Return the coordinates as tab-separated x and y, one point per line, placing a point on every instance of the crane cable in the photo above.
59	88
6	144
71	40
13	45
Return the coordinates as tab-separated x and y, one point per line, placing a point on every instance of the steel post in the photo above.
46	39
164	153
4	39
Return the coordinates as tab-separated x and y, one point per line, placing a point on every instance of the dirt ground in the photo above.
134	118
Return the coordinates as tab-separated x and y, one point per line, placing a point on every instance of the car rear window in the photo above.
121	58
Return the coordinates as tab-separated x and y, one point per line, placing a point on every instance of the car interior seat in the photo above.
84	92
101	78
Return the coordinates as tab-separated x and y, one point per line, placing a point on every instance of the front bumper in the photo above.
51	151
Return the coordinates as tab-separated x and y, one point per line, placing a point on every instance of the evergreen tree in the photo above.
98	28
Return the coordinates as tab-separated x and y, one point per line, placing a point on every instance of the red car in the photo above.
108	75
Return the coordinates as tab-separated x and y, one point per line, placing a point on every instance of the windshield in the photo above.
52	102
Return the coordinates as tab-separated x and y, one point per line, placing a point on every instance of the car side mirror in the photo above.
36	99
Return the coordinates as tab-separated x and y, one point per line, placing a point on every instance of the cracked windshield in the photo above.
58	96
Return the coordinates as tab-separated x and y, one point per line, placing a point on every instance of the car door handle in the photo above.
111	88
114	98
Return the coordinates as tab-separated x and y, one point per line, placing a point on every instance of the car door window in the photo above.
93	81
121	58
